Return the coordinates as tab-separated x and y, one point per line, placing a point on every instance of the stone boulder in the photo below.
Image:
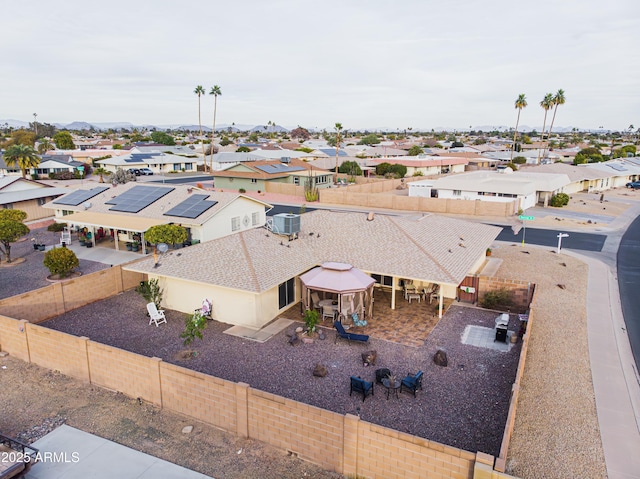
440	358
320	370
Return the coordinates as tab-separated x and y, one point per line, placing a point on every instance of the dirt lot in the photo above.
34	401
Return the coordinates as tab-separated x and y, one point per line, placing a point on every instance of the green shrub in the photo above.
519	160
242	190
57	227
498	299
61	261
194	324
311	318
150	291
559	200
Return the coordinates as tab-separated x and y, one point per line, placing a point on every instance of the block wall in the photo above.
383	452
200	396
58	351
522	291
311	433
132	374
13	338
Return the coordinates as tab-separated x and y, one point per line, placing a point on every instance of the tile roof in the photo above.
430	247
258	170
157	209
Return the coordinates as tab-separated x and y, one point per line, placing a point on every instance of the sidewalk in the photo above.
69	453
615	380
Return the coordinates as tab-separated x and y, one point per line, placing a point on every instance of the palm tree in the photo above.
521	102
100	171
23	156
338	129
546	104
200	91
45	145
558	100
215	91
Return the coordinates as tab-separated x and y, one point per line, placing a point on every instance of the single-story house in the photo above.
125	212
253	276
425	165
225	160
157	161
19	193
528	188
253	175
58	164
581	177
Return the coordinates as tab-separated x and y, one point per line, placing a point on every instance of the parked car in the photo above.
134	171
145	171
633	184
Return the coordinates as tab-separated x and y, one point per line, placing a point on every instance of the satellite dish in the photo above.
163	247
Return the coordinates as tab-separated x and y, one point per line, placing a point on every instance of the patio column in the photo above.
394	283
142	242
440	301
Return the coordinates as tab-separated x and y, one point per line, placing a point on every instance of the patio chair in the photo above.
328	312
361	386
316	300
340	332
412	382
432	292
155	316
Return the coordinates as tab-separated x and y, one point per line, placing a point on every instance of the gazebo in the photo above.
353	287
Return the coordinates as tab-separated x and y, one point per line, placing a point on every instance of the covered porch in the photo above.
408	323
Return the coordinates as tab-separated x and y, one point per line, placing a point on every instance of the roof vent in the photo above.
370	216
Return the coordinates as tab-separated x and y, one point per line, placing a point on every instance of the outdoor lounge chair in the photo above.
340	332
361	386
412	382
155	315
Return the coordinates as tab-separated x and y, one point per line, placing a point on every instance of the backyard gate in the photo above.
468	289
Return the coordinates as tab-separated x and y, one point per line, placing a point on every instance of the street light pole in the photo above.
560	236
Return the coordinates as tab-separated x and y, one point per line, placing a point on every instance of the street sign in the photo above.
526	218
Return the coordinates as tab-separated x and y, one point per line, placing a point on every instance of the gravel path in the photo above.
463	405
20	277
556	432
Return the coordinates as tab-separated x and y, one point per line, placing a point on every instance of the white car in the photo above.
145	171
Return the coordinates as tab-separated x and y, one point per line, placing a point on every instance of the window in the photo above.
383	280
255	218
188	166
296	180
457	192
41	201
8	206
254	180
286	293
177	166
235	223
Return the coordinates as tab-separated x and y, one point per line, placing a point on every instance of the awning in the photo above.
107	220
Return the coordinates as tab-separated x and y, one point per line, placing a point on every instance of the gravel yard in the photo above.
556	433
27	271
463	405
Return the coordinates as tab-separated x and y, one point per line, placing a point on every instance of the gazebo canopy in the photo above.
337	278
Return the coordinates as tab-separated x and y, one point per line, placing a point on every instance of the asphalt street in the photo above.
629	284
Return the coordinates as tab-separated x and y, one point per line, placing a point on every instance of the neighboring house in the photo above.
620	171
253	175
581	177
225	160
8	170
58	164
253	276
126	211
363	151
157	161
528	188
18	193
425	165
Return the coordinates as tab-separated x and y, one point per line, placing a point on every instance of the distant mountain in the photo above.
79	125
14	123
268	129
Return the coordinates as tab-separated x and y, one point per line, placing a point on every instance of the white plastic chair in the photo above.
155	315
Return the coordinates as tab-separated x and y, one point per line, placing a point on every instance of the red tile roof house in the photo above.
425	165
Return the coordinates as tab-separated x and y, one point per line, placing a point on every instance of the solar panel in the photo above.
80	196
192	207
278	168
617	167
138	198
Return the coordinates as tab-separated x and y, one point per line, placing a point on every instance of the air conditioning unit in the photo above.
286	224
285	159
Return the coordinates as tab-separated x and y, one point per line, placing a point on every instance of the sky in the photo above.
417	64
